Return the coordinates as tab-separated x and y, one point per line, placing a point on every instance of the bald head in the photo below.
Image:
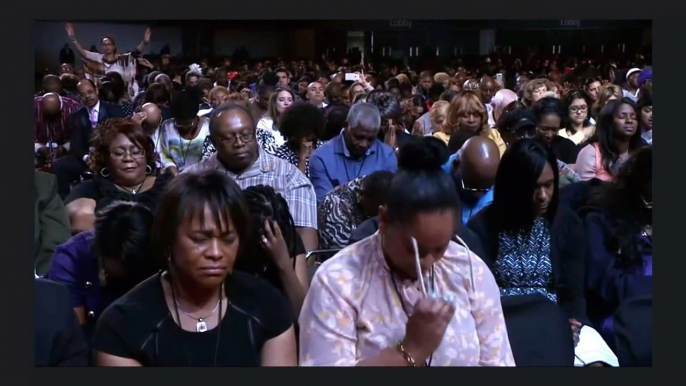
478	163
487	88
51	105
153	115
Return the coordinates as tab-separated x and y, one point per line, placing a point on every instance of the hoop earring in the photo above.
103	172
148	169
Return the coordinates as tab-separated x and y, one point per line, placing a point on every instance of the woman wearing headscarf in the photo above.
502	98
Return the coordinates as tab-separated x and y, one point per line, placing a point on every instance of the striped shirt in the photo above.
281	175
52	131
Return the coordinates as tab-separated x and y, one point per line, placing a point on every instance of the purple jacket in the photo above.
74	266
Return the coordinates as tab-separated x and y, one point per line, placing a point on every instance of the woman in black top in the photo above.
124	163
531	244
199	312
275	252
550	113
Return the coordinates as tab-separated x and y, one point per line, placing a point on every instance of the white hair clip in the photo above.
195	69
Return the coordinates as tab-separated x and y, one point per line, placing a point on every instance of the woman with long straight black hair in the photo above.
531	244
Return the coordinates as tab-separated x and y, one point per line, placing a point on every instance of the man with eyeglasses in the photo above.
232	132
473	171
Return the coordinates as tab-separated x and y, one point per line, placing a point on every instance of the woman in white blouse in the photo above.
278	102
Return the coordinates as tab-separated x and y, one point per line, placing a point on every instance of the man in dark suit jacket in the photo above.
58	338
51	224
81	125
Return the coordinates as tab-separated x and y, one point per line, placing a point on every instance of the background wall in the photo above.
50	37
258	42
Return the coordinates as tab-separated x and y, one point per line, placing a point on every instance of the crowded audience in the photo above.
220	212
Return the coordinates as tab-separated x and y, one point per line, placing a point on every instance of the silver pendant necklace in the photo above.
132	190
201	325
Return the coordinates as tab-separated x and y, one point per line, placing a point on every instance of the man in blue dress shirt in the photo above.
353	153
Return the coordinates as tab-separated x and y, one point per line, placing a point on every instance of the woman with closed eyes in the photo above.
199	311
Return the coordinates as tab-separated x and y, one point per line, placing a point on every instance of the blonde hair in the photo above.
402	78
442	78
438	114
606	92
463	104
534	84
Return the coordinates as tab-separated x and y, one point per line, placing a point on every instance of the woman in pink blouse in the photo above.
616	138
366	305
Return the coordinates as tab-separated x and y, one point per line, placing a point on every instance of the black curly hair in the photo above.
302	120
264	203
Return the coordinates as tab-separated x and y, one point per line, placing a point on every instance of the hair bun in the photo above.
425	154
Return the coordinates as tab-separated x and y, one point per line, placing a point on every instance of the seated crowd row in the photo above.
456	242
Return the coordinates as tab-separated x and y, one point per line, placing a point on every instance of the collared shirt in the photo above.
93	114
332	164
354	309
648	136
54	131
339	214
272	171
265	139
470	209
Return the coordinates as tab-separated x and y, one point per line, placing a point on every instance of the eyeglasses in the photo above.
577	109
231	139
475	190
525	132
135	152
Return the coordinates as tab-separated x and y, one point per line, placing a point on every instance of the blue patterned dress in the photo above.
523	263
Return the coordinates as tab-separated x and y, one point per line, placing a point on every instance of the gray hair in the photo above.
365	115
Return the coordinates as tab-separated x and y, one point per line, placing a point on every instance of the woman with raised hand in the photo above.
408	295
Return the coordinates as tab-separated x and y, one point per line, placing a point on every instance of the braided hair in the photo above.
265	203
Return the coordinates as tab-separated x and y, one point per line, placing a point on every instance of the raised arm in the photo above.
84	53
146	40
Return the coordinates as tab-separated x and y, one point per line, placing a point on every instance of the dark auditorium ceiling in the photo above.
388	24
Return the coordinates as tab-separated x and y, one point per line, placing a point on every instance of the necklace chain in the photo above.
196	318
132	190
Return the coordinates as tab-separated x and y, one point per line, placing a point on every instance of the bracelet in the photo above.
406	355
